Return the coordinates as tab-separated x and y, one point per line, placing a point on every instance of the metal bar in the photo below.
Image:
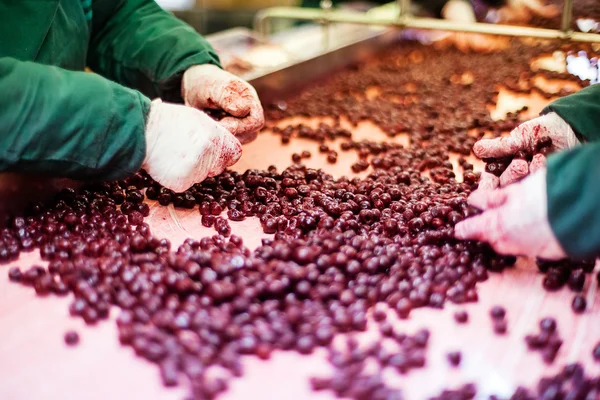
325	24
567	16
403	8
307	14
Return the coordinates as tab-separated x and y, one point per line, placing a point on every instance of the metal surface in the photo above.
282	81
206	21
264	18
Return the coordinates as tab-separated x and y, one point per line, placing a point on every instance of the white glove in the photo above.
524	10
184	146
208	86
524	137
514	220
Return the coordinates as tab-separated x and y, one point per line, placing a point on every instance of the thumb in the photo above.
537	163
227	152
480	227
488	181
235	98
486	199
231	150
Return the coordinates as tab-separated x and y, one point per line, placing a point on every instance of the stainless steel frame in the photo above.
283	81
325	16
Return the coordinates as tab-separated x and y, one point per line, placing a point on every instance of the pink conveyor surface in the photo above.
36	364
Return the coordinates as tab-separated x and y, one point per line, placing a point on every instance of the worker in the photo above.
553	212
58	121
462	11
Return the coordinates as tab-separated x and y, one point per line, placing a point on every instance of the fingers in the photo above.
479	228
499	147
488	181
537	162
485	200
228	153
516	170
236	98
487	227
245	127
247	137
523	137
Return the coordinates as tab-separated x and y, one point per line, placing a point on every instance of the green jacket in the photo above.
58	121
572	179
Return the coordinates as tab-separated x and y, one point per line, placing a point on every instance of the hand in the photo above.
524	10
514	220
524	138
208	86
184	146
461	11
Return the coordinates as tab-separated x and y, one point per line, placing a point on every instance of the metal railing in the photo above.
325	16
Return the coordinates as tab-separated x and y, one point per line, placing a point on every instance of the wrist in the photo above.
558	124
152	127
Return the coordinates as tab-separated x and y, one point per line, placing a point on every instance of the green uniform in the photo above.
57	120
572	180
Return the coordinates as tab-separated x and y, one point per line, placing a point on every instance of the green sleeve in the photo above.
573	192
138	44
582	111
68	124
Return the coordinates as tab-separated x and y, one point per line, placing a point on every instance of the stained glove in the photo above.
208	86
524	10
514	220
524	137
185	146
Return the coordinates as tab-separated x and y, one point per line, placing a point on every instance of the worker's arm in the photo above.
138	44
573	192
68	124
550	214
581	111
78	125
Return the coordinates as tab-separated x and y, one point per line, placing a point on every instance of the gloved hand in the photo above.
462	11
184	146
208	86
524	137
524	10
514	220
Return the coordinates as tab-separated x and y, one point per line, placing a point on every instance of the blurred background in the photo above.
210	16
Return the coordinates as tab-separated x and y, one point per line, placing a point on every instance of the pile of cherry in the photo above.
345	253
